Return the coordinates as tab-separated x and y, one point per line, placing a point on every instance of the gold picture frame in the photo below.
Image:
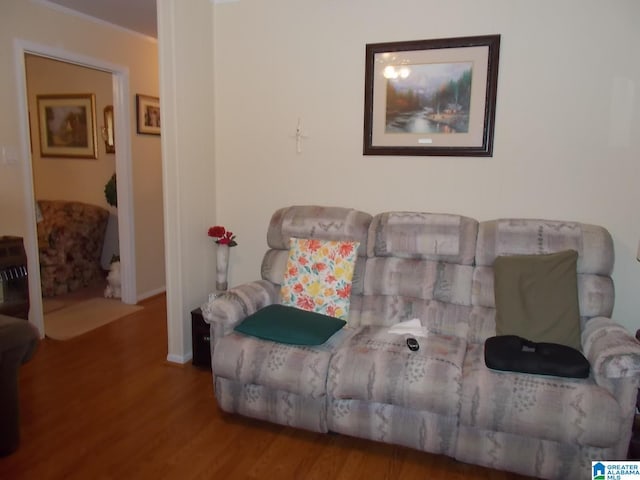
108	130
67	125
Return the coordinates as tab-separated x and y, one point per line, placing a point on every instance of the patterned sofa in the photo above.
365	382
70	239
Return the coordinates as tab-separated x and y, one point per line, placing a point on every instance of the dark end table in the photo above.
200	340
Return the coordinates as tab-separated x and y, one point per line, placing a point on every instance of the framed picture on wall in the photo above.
67	125
148	114
431	97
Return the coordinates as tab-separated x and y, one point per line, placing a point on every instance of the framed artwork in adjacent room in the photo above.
431	97
67	125
108	130
148	114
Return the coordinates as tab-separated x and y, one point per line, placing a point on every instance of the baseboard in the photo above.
182	359
152	293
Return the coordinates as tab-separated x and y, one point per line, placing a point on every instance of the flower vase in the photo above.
222	266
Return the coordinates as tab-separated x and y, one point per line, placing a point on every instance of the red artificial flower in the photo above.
217	231
222	236
226	239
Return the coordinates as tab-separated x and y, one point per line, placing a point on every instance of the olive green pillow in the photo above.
537	297
286	324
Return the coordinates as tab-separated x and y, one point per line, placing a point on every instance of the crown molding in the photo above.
84	16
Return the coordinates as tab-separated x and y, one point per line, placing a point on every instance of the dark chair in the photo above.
18	343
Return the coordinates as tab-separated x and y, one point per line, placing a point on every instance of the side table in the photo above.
200	340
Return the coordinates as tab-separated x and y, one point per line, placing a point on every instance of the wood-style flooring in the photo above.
107	405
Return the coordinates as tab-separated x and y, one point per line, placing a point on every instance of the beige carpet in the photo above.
82	317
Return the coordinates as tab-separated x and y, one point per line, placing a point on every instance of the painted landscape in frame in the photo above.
67	126
431	97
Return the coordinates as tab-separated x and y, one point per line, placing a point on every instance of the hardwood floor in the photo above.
107	405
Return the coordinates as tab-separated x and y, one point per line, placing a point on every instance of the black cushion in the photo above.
517	354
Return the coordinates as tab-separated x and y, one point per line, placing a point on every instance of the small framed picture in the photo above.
67	125
431	97
148	114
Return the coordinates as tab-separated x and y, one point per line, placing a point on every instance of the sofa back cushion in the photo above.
420	265
316	222
508	237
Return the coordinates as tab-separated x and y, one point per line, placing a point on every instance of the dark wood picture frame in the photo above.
431	97
148	114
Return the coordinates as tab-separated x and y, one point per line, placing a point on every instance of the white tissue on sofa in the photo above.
409	327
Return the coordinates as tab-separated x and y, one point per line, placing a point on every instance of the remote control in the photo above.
413	344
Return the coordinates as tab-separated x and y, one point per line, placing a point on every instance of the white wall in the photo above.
29	21
185	33
567	143
81	179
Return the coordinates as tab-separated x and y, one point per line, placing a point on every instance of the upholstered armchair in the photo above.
18	343
70	239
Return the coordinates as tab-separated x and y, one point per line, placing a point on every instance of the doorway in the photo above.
120	89
85	98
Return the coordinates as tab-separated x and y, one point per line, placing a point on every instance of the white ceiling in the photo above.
136	15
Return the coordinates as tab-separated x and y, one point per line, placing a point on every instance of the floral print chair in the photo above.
70	239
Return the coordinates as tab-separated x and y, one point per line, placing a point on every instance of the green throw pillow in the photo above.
285	324
537	297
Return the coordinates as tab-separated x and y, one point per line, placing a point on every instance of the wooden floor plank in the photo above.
107	405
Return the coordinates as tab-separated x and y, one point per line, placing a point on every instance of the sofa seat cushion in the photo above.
551	408
295	369
377	366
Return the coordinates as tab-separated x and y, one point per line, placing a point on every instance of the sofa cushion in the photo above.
317	221
292	368
377	366
318	276
428	236
516	354
537	297
519	236
565	410
291	325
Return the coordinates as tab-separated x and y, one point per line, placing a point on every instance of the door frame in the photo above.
121	105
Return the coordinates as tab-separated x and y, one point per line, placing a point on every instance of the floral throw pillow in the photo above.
318	276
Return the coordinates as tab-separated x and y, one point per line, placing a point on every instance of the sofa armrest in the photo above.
225	311
612	351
